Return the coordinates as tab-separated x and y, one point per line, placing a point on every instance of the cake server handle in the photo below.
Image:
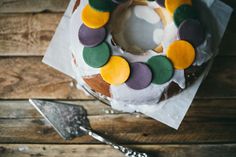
126	151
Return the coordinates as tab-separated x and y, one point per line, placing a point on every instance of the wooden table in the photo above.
27	26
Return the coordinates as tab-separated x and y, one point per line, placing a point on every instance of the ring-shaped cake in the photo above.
150	40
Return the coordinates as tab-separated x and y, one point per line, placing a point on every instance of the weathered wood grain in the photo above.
26	34
208	121
23	78
200	108
123	129
27	150
23	109
32	6
29	6
30	34
224	71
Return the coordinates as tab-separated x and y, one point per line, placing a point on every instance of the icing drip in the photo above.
150	95
204	52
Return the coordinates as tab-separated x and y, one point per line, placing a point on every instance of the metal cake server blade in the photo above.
65	118
71	121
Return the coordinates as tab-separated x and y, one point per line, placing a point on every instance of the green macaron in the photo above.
97	56
162	69
103	5
184	12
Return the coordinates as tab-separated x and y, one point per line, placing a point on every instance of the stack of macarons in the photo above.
191	33
116	70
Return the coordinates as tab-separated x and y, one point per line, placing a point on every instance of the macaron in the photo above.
184	12
103	5
91	37
116	71
181	53
161	3
162	69
97	56
192	31
140	76
94	19
172	5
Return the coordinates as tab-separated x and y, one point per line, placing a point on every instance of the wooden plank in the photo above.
23	109
29	6
208	121
200	108
23	6
227	47
30	34
26	34
220	83
23	78
27	150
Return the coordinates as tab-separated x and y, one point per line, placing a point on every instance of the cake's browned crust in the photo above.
191	75
96	83
170	91
76	5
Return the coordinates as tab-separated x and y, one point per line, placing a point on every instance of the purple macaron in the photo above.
91	37
192	31
161	3
140	77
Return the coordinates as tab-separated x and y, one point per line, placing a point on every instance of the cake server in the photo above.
71	121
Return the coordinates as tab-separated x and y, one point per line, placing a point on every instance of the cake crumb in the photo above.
138	116
23	148
108	111
71	84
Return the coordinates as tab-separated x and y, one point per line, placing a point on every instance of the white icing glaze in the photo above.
123	94
150	95
158	35
146	13
179	78
153	5
204	51
170	35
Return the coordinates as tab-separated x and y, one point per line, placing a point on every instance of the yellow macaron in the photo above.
181	53
94	19
116	71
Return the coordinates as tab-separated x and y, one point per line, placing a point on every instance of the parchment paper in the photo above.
170	112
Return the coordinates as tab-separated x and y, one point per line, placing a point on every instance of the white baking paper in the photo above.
171	111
